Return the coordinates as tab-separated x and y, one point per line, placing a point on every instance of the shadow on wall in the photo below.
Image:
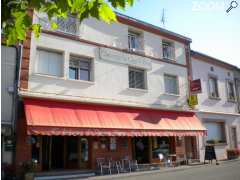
132	92
210	102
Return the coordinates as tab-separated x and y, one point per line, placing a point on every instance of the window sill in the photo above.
217	144
48	76
138	90
81	81
231	100
168	59
214	98
170	94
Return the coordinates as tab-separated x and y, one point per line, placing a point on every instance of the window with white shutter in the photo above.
49	63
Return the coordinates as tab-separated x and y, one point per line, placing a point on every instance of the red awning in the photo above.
45	117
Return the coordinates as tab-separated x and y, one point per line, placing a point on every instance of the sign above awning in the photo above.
46	117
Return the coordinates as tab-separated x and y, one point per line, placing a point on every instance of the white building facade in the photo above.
120	69
217	104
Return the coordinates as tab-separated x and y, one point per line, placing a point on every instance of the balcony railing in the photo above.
68	25
168	52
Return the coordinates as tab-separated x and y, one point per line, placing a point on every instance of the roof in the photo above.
213	60
151	28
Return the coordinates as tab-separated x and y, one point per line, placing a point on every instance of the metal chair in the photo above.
102	164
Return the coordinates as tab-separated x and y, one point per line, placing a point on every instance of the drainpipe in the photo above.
15	96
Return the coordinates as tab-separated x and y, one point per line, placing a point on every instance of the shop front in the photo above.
58	135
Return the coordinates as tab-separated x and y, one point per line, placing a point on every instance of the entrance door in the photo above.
57	152
142	149
72	152
83	153
234	137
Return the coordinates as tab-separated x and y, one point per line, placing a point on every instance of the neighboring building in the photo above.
237	86
217	103
8	96
97	90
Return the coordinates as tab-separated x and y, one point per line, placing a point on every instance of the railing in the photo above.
168	52
68	25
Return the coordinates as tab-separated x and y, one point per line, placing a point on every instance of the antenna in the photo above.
163	20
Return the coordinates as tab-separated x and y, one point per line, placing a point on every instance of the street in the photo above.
224	171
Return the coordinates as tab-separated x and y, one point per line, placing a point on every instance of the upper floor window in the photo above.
171	84
134	41
67	25
168	50
137	78
213	87
230	90
49	63
80	69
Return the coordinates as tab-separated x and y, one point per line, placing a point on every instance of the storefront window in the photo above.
160	145
35	141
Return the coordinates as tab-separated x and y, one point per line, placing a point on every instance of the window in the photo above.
213	87
216	132
171	84
134	42
80	69
168	50
136	78
68	25
160	145
230	91
49	63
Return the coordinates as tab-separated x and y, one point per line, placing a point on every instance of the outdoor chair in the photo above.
164	161
180	159
102	165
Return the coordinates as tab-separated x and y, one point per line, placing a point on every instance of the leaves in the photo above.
16	21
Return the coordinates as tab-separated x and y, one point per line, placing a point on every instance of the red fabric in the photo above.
45	117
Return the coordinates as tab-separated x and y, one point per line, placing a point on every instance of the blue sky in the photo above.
213	31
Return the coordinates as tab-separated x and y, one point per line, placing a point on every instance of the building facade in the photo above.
217	103
8	103
96	90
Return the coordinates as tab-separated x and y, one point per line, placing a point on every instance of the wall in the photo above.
8	73
110	79
201	70
229	120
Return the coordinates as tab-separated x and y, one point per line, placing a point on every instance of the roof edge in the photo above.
153	27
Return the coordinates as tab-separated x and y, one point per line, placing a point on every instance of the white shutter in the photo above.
49	63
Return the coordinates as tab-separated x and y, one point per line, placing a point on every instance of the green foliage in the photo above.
16	21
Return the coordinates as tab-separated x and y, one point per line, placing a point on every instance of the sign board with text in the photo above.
195	86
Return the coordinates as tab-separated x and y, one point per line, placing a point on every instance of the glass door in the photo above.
83	151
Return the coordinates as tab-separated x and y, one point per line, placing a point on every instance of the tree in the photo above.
16	21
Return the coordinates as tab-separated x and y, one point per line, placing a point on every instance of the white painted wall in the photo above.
216	110
201	70
8	69
110	79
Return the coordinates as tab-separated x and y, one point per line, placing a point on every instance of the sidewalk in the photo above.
162	170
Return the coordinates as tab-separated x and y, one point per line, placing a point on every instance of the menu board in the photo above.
210	153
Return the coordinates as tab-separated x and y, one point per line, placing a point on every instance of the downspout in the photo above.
15	96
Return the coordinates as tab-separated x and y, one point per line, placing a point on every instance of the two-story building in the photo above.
217	103
96	90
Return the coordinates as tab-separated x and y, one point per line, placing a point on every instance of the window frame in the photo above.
138	46
228	81
144	78
223	131
79	68
171	45
214	77
177	84
61	53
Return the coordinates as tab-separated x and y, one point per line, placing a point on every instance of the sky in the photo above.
213	31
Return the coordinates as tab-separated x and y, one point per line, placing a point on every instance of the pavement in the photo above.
228	170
